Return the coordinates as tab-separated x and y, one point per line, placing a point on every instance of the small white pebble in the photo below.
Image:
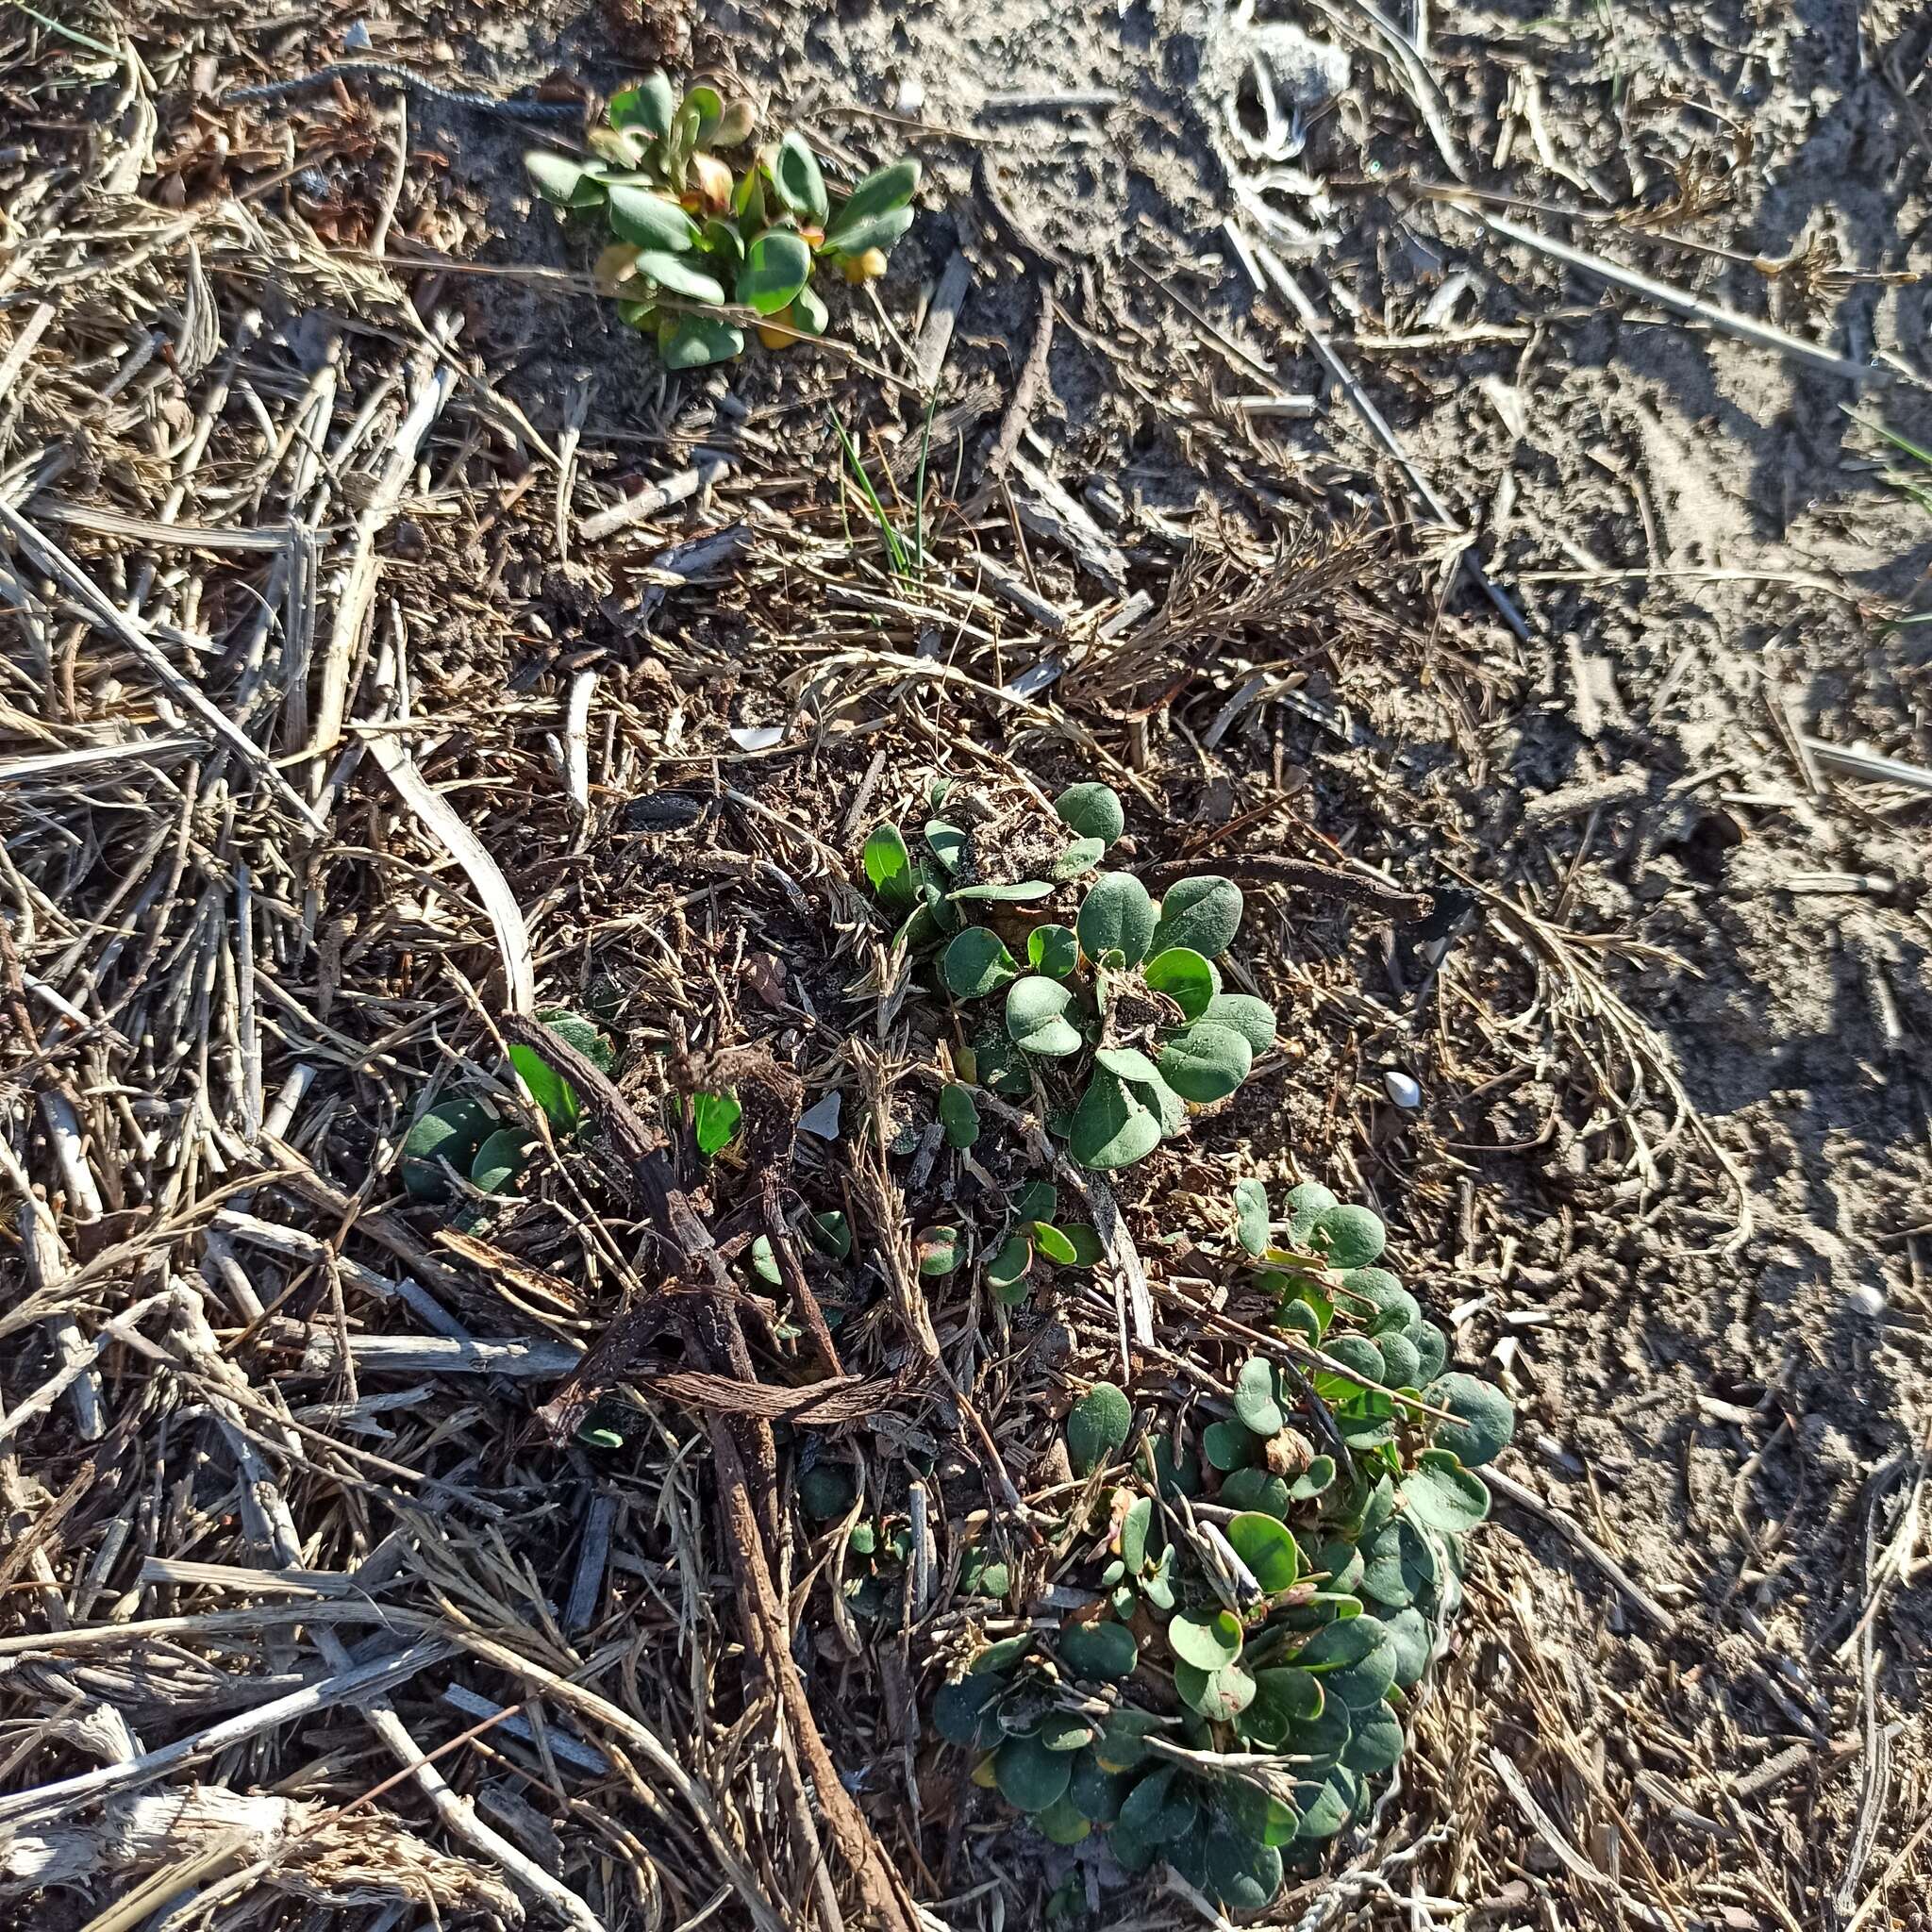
911	98
1866	1301
1402	1090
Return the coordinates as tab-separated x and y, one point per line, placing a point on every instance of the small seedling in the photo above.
466	1135
1277	1641
1034	1233
698	249
1119	1017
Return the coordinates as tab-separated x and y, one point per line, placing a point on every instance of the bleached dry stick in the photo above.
458	1817
1759	335
107	615
355	1682
435	377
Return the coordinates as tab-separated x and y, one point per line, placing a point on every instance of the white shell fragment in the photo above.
822	1118
756	736
1402	1090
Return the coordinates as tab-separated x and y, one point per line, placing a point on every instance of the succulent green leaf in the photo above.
1159	1809
1441	1496
827	1490
1228	1446
1394	1306
500	1160
1264	1544
451	1131
1116	916
1486	1422
776	266
710	105
1054	1244
810	315
1251	1216
674	273
1401	1362
1209	1640
696	342
1062	1823
1432	1350
998	1658
1351	1236
1062	1730
959	1114
764	1264
1105	1652
1053	950
1377	1744
748	206
1187	977
1029	1776
940	1249
646	218
1136	1526
1327	1803
1098	1792
1342	1561
959	1710
1356	1354
1300	1317
714	1119
795	177
1377	1507
1036	1017
946	843
1097	1427
1253	1019
1314	1480
1220	1696
1256	1396
1089	1250
877	231
1409	1631
1382	1577
1242	1873
1093	810
1122	1744
1254	1814
1111	1128
1082	854
1010	1261
888	866
648	104
1255	1488
1284	1697
561	180
1307	1203
1202	914
884	192
1355	1661
976	963
830	1233
1207	1062
1035	1201
1017	894
548	1089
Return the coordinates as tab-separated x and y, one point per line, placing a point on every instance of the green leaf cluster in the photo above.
1120	1014
466	1136
1286	1629
693	240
